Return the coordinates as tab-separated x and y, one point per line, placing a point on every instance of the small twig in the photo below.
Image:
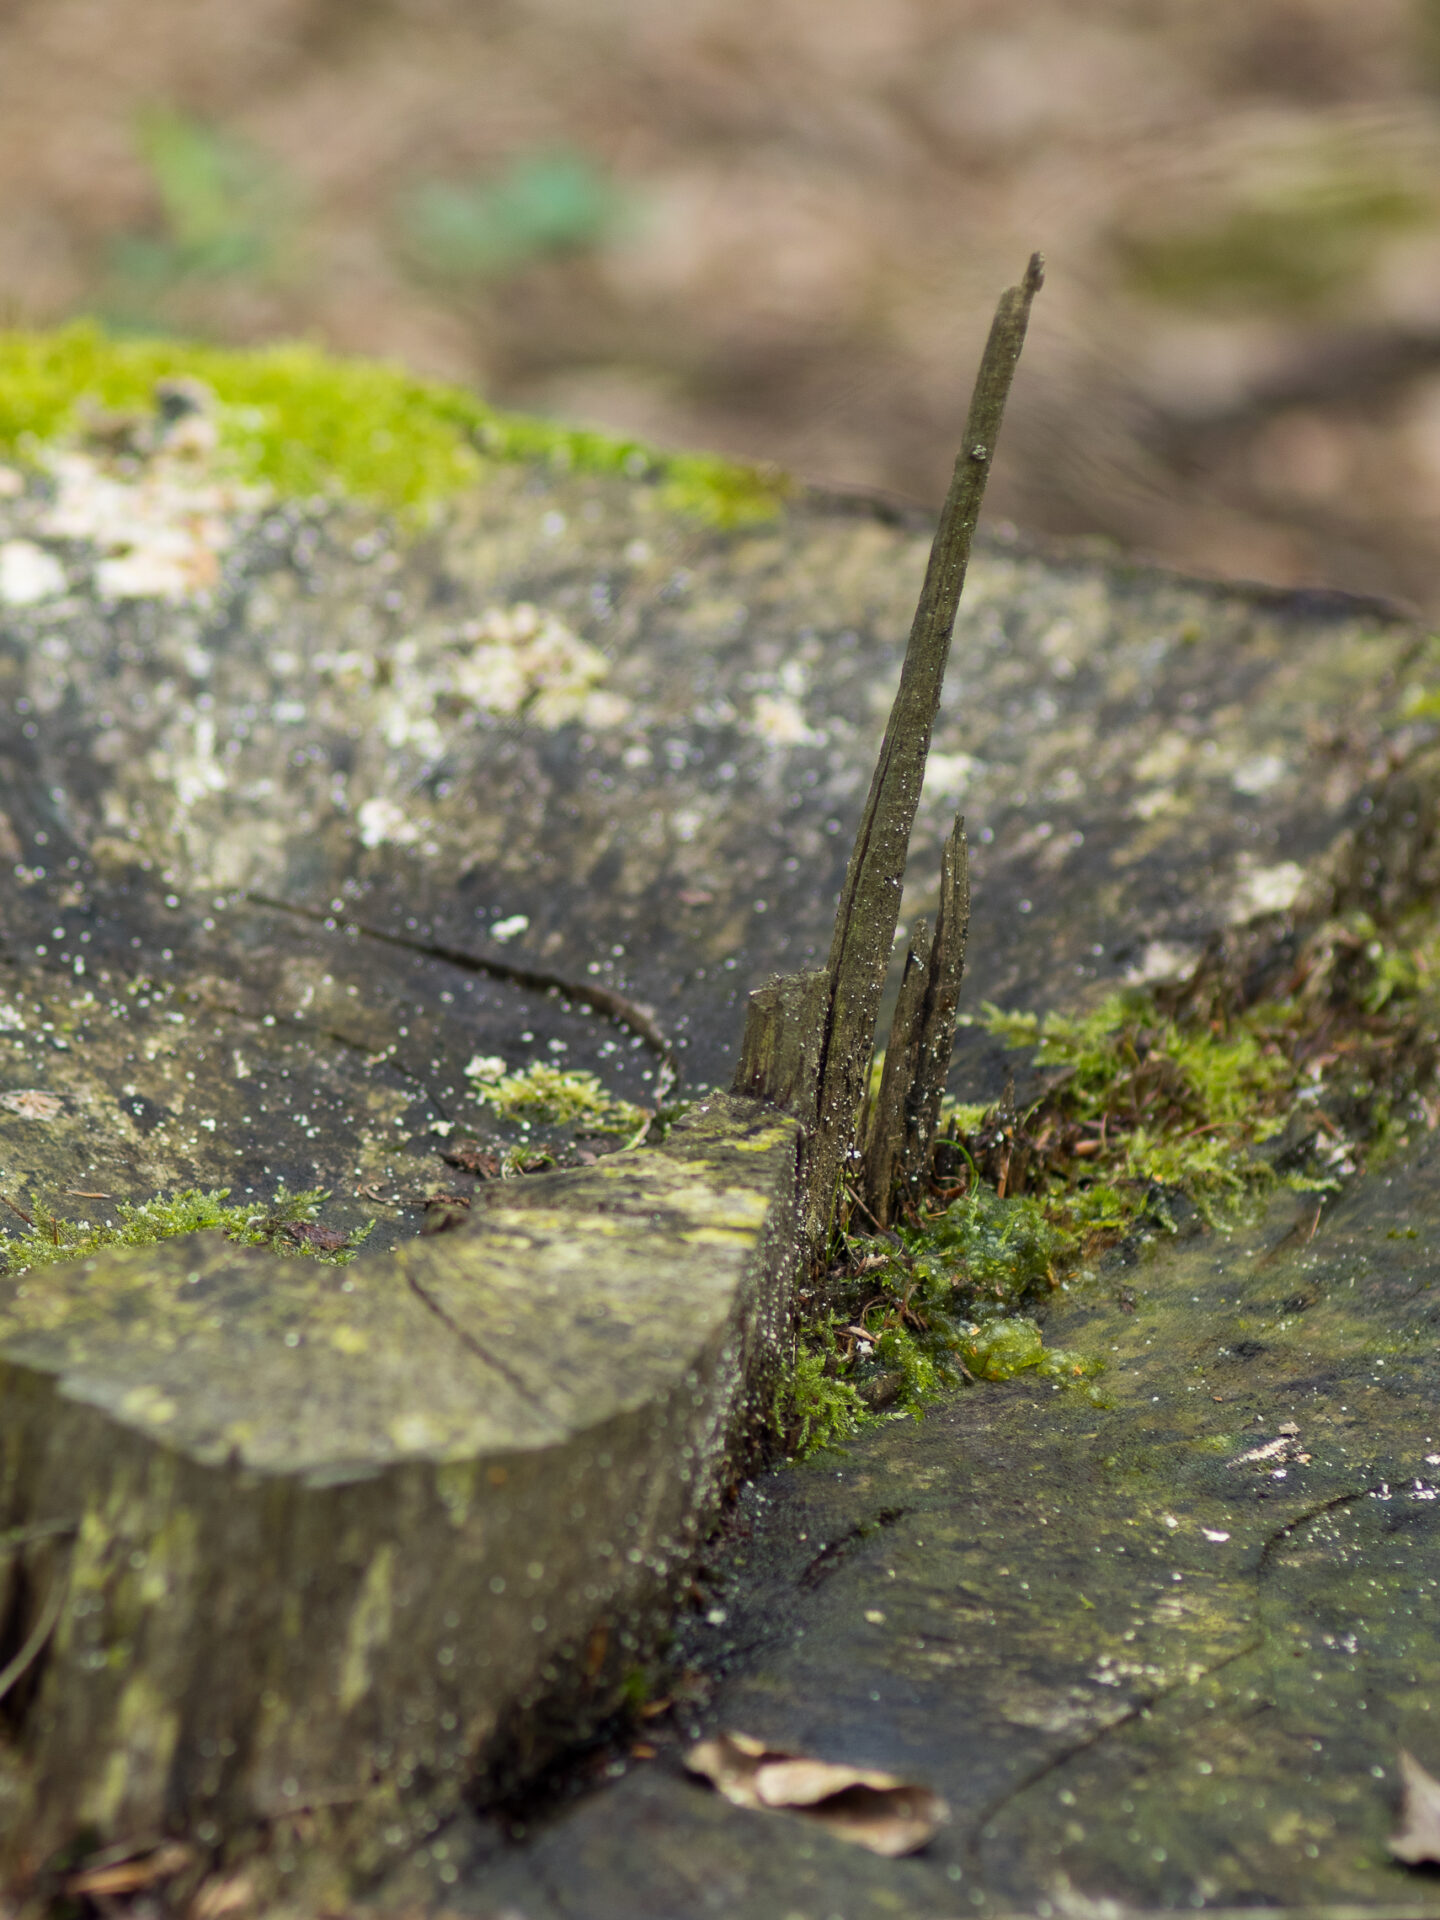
18	1538
20	1211
615	1006
35	1645
857	1201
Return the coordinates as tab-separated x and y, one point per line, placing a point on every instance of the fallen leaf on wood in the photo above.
1419	1837
444	1212
873	1809
305	1233
31	1104
222	1899
471	1158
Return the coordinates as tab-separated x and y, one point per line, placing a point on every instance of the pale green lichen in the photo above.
284	1225
1162	1103
550	1096
305	422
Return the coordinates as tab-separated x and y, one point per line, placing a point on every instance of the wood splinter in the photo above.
809	1038
902	1119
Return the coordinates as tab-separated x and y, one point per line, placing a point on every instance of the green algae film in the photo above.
1160	1652
303	422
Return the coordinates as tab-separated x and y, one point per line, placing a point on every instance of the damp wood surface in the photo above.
592	766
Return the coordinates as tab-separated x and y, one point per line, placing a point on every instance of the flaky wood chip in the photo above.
861	1804
1419	1837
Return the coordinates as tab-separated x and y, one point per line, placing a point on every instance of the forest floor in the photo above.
778	230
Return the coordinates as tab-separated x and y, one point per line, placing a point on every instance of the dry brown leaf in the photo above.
129	1876
222	1899
1419	1837
873	1809
31	1104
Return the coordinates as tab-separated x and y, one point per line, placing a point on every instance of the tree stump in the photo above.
310	808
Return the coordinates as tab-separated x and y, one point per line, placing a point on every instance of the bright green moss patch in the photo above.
285	1225
304	422
1151	1100
815	1407
1007	1249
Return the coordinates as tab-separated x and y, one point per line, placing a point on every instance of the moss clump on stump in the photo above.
302	422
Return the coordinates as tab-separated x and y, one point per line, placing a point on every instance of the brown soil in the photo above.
1235	365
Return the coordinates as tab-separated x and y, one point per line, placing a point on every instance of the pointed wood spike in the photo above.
869	906
889	1127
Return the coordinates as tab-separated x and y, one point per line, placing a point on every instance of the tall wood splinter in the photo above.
809	1038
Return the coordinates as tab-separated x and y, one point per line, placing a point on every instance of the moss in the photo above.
1288	249
1157	1106
814	1407
547	1095
286	1225
1151	1100
305	422
1004	1248
1004	1347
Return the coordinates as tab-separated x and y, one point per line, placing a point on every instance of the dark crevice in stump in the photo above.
902	1119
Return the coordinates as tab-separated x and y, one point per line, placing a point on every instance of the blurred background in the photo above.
777	228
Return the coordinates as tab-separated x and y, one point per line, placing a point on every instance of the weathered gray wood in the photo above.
329	1545
1201	1612
780	1049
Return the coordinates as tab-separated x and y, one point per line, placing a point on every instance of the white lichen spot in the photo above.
162	525
1164	759
779	720
382	821
504	930
198	772
523	660
1266	890
1066	785
415	1433
1163	960
1259	773
11	1018
29	574
686	822
1155	801
32	1104
948	776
